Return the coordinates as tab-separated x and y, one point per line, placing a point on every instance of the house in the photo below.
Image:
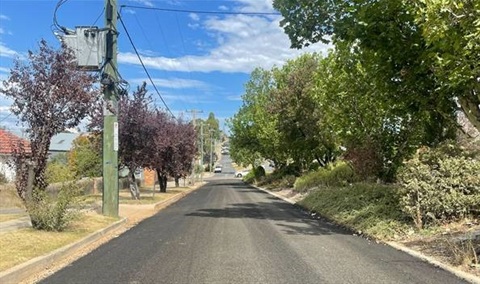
62	143
8	143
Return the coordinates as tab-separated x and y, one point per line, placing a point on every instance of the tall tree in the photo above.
253	127
49	95
452	32
184	150
135	133
301	116
388	36
161	147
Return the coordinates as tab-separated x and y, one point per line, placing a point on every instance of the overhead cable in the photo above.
202	12
143	65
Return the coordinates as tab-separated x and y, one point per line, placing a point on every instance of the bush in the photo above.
259	172
53	213
440	184
58	172
341	174
3	178
367	207
365	158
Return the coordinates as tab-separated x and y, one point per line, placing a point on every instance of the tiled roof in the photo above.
9	141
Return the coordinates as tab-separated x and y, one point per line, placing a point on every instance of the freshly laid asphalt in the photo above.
228	232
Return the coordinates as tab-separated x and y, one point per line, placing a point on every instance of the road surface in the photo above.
228	232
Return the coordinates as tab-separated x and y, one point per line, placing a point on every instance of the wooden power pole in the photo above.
110	109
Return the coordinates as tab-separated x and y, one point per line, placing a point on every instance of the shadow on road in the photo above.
290	218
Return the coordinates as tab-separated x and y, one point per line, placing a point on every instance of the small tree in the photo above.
162	147
85	158
135	133
184	150
49	95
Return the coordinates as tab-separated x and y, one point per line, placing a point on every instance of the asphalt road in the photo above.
228	232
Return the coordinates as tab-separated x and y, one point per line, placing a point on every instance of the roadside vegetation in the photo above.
380	134
149	137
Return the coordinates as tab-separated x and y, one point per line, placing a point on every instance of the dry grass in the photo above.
9	197
146	196
22	245
8	217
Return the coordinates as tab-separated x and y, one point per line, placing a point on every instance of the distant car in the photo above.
241	173
217	169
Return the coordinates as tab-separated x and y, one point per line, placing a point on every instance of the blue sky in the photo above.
198	61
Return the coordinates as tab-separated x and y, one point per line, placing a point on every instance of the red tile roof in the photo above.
9	141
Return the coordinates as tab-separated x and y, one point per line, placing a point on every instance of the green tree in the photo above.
300	115
452	32
85	158
253	127
384	40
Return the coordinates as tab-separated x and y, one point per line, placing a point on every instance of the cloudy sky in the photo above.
197	60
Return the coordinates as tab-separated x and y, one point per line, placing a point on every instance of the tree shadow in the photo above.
289	218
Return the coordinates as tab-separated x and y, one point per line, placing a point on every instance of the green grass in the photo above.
372	209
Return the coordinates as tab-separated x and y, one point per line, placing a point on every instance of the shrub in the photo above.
53	213
440	184
341	174
259	172
365	158
3	178
58	172
367	207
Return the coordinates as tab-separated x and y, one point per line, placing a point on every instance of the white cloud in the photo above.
194	16
223	8
2	31
4	17
4	70
7	52
256	6
193	26
244	42
144	2
172	83
234	98
129	11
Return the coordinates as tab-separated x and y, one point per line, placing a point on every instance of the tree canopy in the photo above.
49	95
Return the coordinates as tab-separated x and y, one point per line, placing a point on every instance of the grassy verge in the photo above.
22	245
9	217
371	209
146	196
9	197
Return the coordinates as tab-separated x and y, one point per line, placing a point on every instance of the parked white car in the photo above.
241	173
217	169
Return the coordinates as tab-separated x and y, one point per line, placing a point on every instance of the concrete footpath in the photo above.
130	215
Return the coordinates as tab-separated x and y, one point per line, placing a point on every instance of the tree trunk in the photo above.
134	191
177	181
470	106
162	181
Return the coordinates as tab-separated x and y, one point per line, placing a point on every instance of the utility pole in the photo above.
194	118
201	150
211	151
110	109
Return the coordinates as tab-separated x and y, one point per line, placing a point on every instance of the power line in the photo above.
202	12
143	65
5	118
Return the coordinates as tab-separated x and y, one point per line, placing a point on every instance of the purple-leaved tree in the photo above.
49	95
136	133
183	150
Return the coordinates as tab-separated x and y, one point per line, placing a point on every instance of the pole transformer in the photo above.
110	111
